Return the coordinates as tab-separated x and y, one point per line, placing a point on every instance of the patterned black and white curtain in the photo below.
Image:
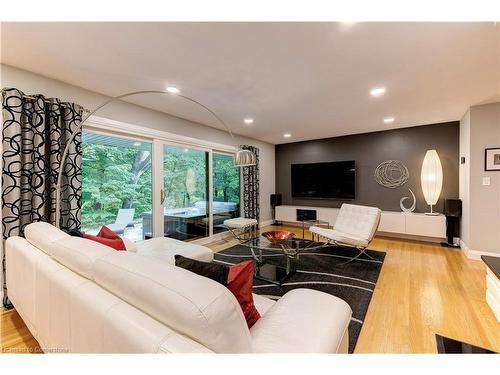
35	131
251	207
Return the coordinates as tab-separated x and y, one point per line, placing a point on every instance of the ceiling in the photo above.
308	79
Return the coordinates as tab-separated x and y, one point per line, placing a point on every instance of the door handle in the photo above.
162	196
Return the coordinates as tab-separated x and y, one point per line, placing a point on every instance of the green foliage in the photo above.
185	176
112	179
226	179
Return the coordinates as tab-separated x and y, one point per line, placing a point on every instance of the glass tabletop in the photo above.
294	243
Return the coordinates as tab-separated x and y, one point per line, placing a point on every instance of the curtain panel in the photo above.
251	195
35	131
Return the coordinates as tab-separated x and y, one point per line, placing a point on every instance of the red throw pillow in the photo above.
105	232
107	237
240	283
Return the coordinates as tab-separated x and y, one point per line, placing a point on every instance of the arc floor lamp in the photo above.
243	158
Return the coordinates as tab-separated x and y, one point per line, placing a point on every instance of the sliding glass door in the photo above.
149	188
116	185
225	190
185	193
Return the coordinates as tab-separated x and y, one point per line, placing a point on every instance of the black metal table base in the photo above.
272	273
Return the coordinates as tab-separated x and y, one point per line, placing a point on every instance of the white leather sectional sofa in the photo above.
79	296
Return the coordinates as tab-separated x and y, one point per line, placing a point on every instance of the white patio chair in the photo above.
124	218
355	227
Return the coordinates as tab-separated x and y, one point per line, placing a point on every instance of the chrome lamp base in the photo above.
432	213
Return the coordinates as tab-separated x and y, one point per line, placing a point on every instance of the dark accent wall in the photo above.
369	150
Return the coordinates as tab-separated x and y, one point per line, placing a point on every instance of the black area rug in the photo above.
320	270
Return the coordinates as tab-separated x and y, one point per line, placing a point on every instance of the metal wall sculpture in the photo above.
391	174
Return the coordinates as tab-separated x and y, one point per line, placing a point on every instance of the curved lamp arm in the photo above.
86	117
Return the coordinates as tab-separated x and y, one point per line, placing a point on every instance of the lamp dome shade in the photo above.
245	158
431	177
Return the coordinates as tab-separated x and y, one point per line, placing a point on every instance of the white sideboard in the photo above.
391	222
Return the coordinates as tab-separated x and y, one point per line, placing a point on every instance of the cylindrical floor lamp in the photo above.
243	158
431	178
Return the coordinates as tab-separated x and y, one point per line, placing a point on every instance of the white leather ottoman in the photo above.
166	248
242	228
240	223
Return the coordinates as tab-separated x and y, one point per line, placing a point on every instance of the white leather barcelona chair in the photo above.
355	227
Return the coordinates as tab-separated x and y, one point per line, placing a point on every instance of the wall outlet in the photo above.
486	181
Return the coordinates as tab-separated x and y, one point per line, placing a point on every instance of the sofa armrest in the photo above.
302	321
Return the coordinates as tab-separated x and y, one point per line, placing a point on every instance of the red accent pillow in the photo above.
105	232
240	283
107	237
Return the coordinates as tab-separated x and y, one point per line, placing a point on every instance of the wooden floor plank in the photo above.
423	289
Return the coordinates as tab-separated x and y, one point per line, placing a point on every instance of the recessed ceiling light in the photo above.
173	90
389	120
186	150
378	91
287	135
137	144
248	120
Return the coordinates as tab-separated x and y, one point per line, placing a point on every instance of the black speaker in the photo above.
453	207
453	212
275	200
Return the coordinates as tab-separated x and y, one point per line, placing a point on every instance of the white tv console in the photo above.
392	223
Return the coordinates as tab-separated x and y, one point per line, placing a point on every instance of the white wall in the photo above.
481	216
464	176
31	83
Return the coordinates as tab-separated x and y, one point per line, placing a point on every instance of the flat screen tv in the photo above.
331	180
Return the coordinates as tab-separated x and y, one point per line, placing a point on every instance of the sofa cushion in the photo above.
79	254
165	248
41	235
301	321
197	307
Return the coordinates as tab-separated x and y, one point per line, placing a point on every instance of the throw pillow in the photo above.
237	278
105	232
107	237
240	282
75	233
214	271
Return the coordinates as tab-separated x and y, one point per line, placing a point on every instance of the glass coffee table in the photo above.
277	261
308	223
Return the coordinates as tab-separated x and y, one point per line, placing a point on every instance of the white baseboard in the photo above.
475	254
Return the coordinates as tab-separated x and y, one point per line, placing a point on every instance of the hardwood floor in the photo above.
423	289
15	338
